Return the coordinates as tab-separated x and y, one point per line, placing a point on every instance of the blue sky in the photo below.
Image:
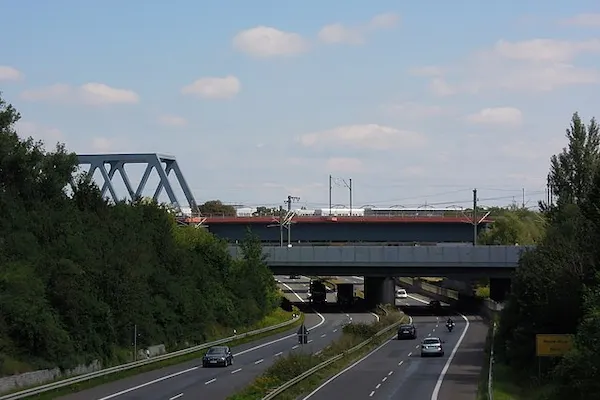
262	99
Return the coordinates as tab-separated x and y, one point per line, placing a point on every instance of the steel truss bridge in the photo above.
163	164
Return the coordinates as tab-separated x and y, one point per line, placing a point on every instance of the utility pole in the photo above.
523	200
280	226
340	182
330	189
475	222
135	342
350	189
289	201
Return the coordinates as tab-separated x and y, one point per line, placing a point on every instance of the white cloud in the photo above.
585	20
9	73
344	164
545	50
338	33
172	120
531	65
39	132
264	41
371	136
411	109
89	93
497	116
214	88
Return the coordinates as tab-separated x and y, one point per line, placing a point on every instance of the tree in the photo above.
572	170
263	211
514	225
77	273
216	207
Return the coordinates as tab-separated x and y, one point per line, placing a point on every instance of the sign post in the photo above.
551	345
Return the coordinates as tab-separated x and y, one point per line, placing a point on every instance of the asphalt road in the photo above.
190	380
396	370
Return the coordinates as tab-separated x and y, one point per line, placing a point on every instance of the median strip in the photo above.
299	373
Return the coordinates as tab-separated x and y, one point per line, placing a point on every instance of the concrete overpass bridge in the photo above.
379	264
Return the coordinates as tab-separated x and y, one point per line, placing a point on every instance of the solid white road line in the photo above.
376	316
349	368
163	378
440	380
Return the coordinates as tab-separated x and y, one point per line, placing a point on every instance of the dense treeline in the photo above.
556	288
77	273
514	225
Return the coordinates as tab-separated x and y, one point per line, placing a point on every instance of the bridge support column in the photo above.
379	291
499	288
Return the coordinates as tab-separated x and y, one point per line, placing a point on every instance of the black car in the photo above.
435	304
218	356
407	331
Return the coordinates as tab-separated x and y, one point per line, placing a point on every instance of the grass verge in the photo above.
277	317
291	366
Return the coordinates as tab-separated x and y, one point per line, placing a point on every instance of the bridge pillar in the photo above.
379	291
499	288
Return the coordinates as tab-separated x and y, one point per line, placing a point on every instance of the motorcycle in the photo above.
450	327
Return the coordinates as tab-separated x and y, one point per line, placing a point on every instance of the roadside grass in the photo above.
295	364
432	280
483	292
277	317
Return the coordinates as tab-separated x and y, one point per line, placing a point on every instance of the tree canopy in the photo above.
555	289
216	207
77	272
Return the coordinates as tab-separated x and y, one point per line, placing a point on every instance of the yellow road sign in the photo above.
553	345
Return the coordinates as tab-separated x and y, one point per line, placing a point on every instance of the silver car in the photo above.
432	347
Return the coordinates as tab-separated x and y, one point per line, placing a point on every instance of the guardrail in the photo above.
136	364
490	383
326	363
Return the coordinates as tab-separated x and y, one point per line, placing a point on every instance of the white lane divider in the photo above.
278	354
211	381
163	378
176	396
258	361
236	371
438	385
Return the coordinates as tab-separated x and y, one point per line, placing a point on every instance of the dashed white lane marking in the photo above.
176	397
235	371
258	361
278	354
211	381
295	347
391	372
410	354
309	341
372	393
400	363
323	335
384	379
378	386
335	330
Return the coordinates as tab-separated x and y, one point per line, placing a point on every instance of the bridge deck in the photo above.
479	257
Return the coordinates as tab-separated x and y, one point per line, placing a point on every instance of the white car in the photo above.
401	294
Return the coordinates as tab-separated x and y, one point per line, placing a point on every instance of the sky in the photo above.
264	99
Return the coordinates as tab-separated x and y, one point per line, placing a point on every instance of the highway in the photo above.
190	380
396	370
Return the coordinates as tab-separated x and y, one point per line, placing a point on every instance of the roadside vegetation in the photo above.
556	287
295	364
78	273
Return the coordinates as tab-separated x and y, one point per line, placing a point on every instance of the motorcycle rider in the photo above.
449	321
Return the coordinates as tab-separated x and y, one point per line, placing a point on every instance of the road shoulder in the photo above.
461	381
